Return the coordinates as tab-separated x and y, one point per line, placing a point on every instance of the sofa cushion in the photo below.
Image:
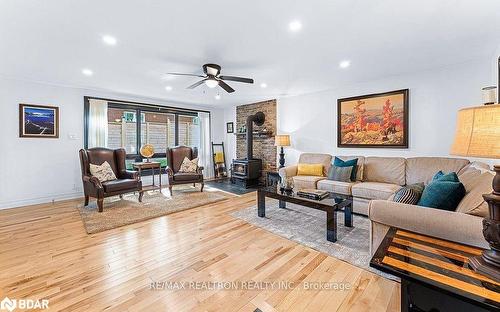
359	170
353	163
305	182
473	202
422	169
444	192
316	158
336	186
374	190
384	169
119	185
471	172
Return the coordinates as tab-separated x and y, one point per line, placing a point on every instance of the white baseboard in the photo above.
39	200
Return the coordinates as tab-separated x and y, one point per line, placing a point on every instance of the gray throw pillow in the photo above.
409	194
341	174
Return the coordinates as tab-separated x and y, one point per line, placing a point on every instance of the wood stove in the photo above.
247	171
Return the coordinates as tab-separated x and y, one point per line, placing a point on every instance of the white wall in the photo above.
435	97
41	170
230	138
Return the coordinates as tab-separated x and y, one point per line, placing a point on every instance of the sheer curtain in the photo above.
98	123
205	154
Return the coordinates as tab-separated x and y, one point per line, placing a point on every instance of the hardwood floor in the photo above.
46	253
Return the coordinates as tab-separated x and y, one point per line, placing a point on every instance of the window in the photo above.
122	131
158	129
158	125
189	130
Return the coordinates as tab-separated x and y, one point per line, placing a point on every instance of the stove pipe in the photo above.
258	118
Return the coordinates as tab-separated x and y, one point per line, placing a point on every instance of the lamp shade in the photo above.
478	132
282	140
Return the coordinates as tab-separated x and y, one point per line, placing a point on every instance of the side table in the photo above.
434	273
153	166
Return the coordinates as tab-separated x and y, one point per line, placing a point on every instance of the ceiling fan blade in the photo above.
190	75
238	79
225	86
194	85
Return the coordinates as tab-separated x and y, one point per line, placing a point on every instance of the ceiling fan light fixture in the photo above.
211	83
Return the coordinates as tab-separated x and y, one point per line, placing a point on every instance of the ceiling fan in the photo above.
212	78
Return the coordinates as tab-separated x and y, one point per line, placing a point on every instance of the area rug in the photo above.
307	226
119	212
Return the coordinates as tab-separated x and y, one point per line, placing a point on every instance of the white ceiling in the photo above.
52	41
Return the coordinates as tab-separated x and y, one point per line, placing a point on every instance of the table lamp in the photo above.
478	135
282	140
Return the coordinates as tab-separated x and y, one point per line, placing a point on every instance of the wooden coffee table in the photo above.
330	205
434	273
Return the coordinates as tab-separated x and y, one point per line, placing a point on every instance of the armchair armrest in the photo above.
169	171
200	169
287	172
93	180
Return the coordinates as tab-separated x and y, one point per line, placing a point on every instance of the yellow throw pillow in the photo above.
310	170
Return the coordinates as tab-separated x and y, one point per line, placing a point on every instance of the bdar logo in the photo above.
8	304
23	304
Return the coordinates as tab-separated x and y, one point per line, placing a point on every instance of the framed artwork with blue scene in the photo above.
38	121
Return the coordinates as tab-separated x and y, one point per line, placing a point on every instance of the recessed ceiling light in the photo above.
295	25
345	64
217	97
168	88
109	40
87	72
263	85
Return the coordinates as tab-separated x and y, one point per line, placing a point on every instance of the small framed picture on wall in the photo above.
38	121
230	127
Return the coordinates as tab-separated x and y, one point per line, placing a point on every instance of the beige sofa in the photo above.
378	178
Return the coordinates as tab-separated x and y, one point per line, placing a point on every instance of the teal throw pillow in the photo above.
348	163
441	176
444	192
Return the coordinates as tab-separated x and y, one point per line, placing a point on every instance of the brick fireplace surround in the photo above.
263	147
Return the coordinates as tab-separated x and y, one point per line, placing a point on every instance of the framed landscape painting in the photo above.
375	120
37	121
